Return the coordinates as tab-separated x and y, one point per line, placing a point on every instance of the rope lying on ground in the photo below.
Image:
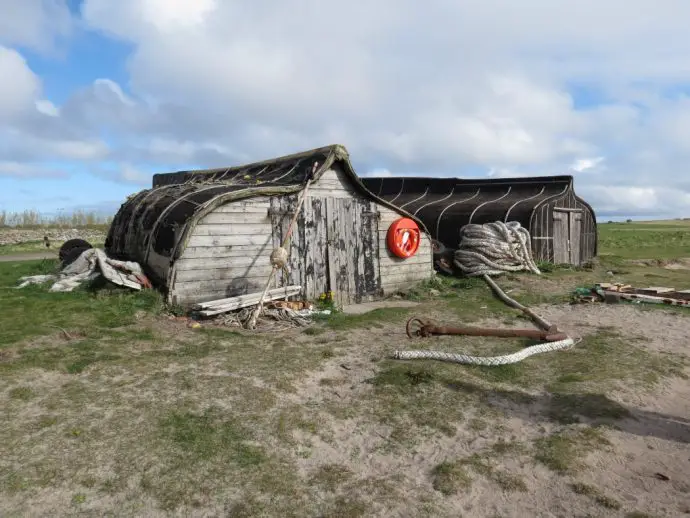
490	361
493	249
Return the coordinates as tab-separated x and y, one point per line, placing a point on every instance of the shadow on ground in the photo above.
590	408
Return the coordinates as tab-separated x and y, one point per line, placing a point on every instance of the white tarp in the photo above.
88	266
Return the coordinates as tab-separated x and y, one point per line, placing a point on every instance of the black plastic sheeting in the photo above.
445	205
157	217
289	170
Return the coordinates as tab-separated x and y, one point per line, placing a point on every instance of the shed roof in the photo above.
292	169
445	204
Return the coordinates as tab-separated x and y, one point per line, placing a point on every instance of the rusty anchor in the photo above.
424	328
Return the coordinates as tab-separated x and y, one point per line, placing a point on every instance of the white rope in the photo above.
492	249
490	361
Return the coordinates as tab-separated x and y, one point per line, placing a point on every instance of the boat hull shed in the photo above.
206	235
561	224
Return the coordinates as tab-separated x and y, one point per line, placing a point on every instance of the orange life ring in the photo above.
403	237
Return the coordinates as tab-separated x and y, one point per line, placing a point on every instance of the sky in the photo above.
97	95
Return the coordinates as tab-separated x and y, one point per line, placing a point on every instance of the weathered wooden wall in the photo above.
227	253
563	231
338	244
395	273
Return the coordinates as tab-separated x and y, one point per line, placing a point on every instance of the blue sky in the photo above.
102	94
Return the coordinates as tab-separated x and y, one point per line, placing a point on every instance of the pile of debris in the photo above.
89	266
237	311
612	293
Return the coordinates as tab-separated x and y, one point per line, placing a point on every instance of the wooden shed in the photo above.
562	225
205	235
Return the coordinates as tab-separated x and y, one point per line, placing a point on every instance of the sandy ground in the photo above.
644	466
368	450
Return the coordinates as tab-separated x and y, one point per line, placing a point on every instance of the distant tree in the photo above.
628	221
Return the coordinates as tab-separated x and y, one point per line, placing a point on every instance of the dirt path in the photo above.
30	256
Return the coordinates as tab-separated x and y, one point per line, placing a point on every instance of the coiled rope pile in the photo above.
494	249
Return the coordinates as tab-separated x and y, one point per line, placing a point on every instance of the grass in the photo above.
450	477
33	311
595	494
109	401
564	452
199	437
371	320
660	240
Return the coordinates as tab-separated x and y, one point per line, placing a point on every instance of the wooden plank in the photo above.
315	248
231	304
244	207
346	250
230	300
295	248
330	251
277	232
560	239
321	274
370	252
235	218
419	267
388	260
234	287
221	274
229	240
361	243
575	220
329	193
565	209
283	209
226	252
225	229
653	290
211	263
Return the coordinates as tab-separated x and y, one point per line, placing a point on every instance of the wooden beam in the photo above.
216	307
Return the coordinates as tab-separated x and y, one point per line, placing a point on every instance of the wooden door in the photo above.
567	229
308	262
575	230
352	249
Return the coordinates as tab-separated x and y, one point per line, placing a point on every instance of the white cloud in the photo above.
495	87
47	108
585	164
18	84
26	170
34	23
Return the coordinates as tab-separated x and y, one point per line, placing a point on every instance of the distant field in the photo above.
645	239
34	219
